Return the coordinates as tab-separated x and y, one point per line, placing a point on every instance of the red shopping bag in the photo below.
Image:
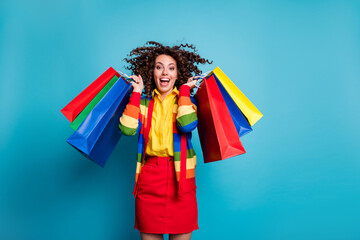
73	108
218	135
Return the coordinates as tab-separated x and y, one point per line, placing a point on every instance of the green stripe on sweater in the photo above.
177	156
190	153
186	119
145	102
126	130
139	157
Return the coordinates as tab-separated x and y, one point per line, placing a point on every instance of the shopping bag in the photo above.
218	136
99	133
73	108
251	113
81	117
241	124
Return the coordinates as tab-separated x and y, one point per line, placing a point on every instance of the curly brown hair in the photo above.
142	61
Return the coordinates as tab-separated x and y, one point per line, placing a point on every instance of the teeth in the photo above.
167	80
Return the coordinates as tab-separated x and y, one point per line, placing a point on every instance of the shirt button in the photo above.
169	159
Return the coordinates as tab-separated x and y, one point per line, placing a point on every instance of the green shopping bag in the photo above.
81	117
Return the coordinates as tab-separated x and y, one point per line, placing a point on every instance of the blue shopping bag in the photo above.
241	124
99	133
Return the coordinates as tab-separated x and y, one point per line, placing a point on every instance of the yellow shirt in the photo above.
160	141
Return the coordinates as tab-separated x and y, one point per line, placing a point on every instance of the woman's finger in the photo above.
135	78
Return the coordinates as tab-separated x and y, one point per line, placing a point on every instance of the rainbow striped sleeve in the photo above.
129	121
186	118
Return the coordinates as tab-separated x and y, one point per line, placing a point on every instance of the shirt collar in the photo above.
174	91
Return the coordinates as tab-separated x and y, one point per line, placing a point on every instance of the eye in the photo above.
172	68
158	67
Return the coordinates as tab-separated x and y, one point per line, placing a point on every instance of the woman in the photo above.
165	190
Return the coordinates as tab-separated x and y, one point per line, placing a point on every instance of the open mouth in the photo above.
164	82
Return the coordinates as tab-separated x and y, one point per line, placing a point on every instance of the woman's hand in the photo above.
191	82
138	83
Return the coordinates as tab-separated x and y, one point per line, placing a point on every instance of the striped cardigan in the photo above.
137	118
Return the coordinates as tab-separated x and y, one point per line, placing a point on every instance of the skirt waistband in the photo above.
159	160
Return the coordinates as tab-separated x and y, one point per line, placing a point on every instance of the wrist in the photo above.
137	90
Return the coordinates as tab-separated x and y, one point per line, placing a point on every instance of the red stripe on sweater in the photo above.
148	125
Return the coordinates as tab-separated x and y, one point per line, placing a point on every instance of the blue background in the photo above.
297	61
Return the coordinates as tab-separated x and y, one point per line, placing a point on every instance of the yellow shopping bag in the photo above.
251	113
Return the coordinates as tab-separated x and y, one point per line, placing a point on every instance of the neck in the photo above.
164	94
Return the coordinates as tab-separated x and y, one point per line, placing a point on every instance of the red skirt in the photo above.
158	208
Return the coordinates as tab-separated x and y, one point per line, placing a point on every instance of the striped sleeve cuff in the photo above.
184	91
135	99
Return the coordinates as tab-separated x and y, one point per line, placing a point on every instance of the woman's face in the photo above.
165	74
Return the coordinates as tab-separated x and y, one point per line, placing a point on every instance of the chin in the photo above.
165	88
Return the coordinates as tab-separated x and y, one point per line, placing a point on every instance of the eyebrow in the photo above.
163	64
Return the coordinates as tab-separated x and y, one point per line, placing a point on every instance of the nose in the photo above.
164	71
